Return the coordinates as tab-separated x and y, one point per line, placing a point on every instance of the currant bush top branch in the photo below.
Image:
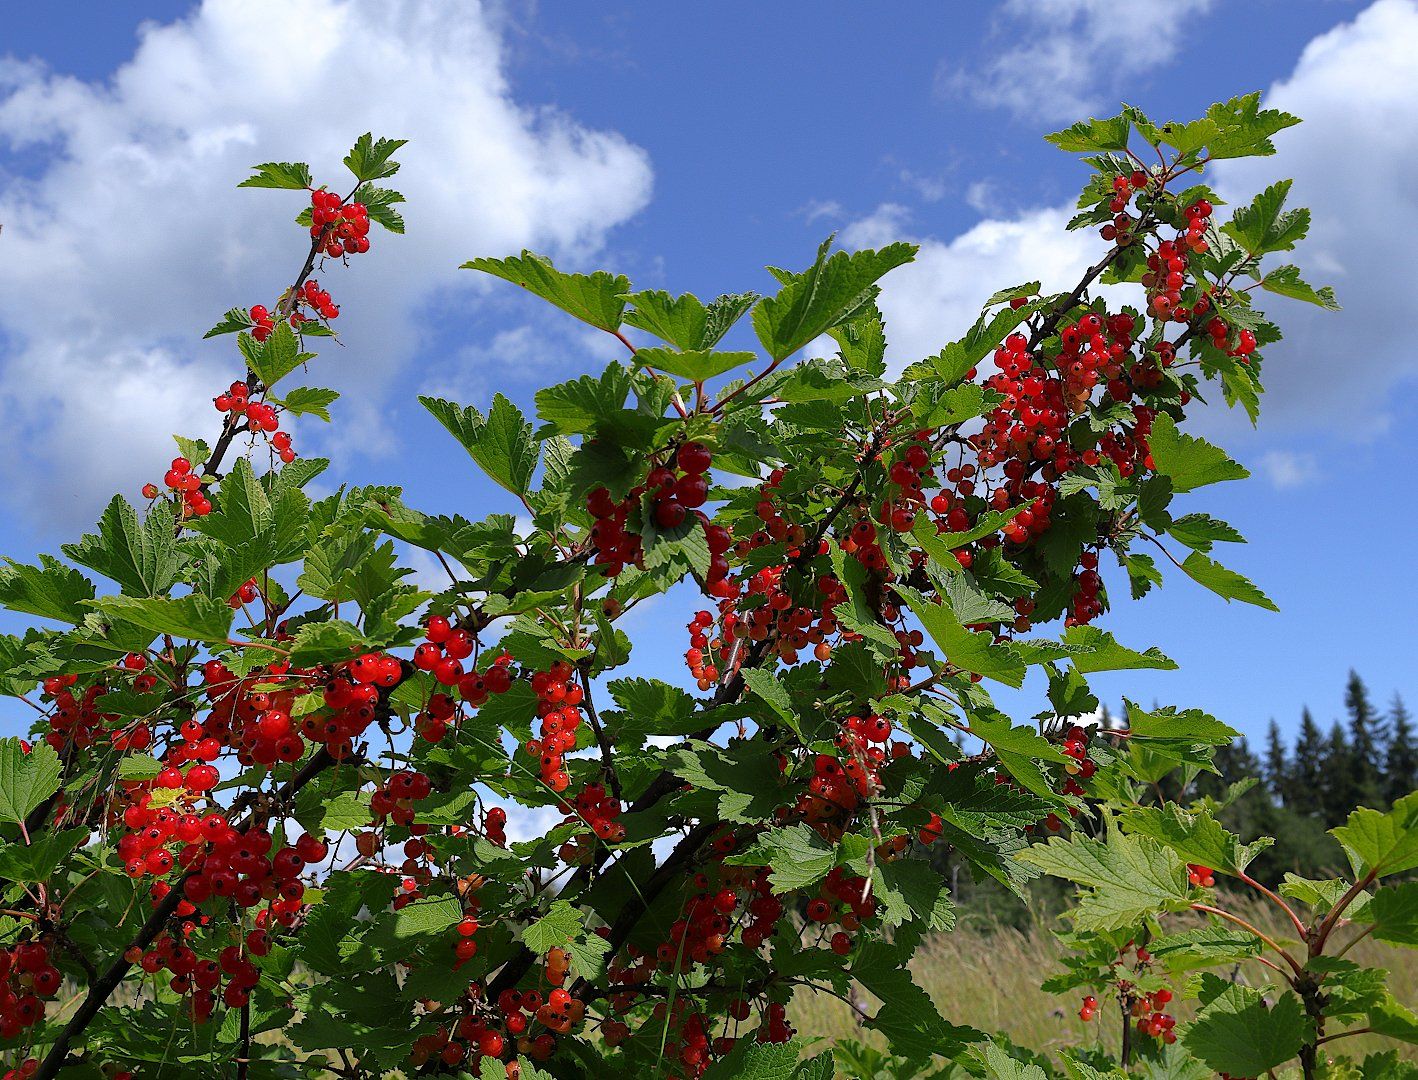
869	551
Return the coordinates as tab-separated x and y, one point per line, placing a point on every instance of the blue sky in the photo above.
688	146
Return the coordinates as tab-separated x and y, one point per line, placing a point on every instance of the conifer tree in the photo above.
1401	762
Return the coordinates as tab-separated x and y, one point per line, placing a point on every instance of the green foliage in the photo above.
711	843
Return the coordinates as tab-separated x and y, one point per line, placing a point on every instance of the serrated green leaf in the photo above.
1126	878
598	299
290	175
310	401
1088	136
1225	583
1194	835
26	779
188	618
812	302
696	365
1189	462
1286	281
1237	1034
1266	225
501	443
966	649
236	319
140	556
369	159
797	856
50	590
1381	843
1394	913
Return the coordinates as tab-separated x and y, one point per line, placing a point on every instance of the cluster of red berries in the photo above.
558	698
1089	1009
907	476
767	612
311	295
677	489
261	418
182	480
395	798
344	227
1242	347
1151	1020
76	720
27	977
599	809
1202	877
201	977
846	901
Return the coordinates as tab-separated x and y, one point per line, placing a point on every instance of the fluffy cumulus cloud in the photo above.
1058	59
124	239
1335	374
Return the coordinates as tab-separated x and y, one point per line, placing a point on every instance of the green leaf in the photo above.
1286	281
1167	724
766	686
1381	843
798	857
1189	462
650	707
1126	878
501	443
310	401
139	767
598	299
1244	128
1225	583
276	357
744	783
561	924
1019	750
1266	225
234	320
1236	1034
37	861
1200	531
291	175
380	203
50	590
684	321
140	556
812	302
911	891
1203	946
191	618
26	779
1087	136
1394	913
1196	836
907	1018
371	160
696	365
966	649
751	1060
1104	653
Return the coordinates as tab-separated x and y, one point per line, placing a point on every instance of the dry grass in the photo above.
988	977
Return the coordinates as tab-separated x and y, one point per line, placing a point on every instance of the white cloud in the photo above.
933	300
1064	57
1351	160
128	240
1289	468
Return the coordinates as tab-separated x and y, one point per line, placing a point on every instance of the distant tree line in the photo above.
1370	758
1299	791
